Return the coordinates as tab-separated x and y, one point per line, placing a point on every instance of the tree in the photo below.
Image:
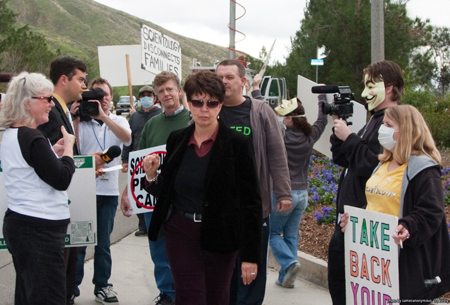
343	27
20	48
430	64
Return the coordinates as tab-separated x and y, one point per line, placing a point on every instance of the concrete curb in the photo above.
312	268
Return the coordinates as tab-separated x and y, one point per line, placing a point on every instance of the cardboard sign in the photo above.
310	100
160	52
371	258
140	200
82	229
113	67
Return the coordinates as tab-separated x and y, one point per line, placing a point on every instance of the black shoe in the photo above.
164	299
140	233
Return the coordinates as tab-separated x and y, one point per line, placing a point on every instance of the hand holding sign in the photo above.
151	165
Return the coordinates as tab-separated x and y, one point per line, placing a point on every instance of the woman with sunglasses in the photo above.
209	204
35	223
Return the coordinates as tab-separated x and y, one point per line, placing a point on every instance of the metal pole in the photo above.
377	30
317	74
232	53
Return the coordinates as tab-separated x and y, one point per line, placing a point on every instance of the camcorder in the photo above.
89	109
343	97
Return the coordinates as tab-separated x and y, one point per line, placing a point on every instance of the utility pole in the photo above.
232	47
377	30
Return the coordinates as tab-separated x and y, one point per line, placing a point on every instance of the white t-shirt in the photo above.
94	138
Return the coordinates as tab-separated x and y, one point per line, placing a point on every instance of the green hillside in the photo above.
78	27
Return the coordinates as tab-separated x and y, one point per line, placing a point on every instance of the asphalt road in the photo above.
122	227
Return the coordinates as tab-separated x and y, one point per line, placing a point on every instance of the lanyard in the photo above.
104	137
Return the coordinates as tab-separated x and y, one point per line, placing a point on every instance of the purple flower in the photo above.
318	216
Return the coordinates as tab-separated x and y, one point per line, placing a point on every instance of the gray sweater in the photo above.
299	148
270	155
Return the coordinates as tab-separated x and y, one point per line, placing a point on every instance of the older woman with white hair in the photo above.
35	223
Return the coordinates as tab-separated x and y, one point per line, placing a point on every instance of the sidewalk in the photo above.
133	279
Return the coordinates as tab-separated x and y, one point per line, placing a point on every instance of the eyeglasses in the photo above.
48	98
209	104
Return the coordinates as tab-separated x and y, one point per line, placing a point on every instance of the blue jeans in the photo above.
287	223
106	211
38	256
162	272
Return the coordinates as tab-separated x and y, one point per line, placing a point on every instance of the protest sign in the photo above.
371	258
82	229
140	200
160	52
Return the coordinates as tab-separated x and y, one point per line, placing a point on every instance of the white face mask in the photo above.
386	137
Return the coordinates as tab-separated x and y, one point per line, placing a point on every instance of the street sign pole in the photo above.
317	63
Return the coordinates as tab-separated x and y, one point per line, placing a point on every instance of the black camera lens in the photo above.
89	108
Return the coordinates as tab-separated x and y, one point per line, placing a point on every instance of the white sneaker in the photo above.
106	295
290	275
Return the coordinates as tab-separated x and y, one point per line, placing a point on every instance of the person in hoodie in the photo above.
410	166
358	154
299	138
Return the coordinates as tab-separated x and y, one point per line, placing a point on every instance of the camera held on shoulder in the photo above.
89	105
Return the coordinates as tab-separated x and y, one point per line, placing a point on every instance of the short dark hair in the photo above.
233	62
101	81
390	73
65	65
204	82
163	77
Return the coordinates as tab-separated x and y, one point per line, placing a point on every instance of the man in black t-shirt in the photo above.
256	119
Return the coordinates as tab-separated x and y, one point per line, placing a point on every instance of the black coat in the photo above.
232	210
52	128
358	154
426	253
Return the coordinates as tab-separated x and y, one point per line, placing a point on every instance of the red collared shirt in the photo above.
206	145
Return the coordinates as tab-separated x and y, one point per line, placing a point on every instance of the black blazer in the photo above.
232	211
52	128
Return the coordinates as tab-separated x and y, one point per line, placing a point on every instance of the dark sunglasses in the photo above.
48	98
209	104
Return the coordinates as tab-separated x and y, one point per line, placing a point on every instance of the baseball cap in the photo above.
147	88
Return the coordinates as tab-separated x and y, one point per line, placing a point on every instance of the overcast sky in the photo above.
264	21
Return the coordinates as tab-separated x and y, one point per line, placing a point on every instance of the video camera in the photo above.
343	106
88	109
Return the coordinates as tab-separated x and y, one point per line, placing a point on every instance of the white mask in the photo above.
374	93
386	137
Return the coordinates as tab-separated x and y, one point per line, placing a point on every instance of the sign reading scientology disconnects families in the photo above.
159	52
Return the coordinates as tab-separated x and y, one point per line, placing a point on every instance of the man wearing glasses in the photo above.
156	131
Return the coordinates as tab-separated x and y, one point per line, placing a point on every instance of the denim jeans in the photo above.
106	211
38	257
162	272
287	223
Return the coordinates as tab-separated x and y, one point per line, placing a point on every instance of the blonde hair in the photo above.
19	92
415	137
